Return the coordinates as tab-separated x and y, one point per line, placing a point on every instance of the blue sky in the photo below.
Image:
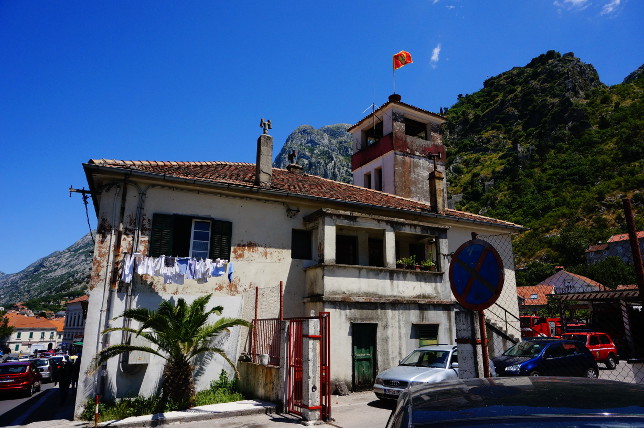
170	80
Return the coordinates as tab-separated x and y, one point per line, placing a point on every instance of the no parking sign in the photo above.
476	275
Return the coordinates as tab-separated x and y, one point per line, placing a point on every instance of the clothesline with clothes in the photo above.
175	270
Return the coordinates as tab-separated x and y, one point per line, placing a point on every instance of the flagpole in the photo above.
394	73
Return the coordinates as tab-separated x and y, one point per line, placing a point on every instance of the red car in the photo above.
599	344
20	376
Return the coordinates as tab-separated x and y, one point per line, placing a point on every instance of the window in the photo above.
346	249
426	334
593	341
51	335
18	335
367	180
376	252
414	128
42	335
16	348
377	180
301	244
373	134
533	296
604	340
31	335
183	236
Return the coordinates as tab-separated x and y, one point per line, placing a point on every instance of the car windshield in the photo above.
42	362
525	349
579	337
13	369
426	358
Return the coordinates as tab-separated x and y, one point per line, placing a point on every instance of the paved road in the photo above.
43	406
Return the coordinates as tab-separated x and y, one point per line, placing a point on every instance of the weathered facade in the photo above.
74	331
333	245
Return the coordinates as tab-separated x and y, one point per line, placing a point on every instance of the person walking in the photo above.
65	379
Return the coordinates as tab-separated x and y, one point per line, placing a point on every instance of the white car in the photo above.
427	364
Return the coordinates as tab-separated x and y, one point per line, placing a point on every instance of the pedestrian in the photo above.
75	372
65	379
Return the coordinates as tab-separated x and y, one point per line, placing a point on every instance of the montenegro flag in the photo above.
402	58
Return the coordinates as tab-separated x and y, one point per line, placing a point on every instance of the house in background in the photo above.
75	314
33	333
617	246
564	282
532	298
334	245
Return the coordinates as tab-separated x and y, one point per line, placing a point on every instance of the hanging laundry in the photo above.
231	269
128	269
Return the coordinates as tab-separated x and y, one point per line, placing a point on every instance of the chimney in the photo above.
437	195
264	164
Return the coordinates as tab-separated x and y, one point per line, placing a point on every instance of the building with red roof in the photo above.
333	245
616	246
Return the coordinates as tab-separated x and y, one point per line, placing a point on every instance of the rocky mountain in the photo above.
550	147
325	152
64	273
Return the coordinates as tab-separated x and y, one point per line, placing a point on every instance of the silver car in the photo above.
427	364
45	369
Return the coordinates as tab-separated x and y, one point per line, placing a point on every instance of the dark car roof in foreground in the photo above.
492	400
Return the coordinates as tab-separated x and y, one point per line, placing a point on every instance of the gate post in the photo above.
284	365
311	386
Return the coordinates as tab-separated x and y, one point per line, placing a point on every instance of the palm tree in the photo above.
180	333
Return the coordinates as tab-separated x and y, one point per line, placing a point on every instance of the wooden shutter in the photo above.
162	235
220	239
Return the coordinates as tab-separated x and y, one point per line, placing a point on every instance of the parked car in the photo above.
546	357
521	402
22	376
434	363
44	366
599	344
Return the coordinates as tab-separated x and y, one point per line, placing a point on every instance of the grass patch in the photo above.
222	390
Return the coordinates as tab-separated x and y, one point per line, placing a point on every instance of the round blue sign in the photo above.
476	275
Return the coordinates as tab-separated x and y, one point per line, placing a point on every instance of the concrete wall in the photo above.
260	382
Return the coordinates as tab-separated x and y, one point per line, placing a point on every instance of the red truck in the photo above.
599	344
536	326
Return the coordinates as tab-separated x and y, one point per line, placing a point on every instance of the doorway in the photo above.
363	349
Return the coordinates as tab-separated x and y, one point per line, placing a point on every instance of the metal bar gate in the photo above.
295	379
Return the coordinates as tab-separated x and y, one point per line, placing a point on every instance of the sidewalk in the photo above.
201	413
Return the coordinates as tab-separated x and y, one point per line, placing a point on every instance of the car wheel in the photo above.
591	373
611	362
535	373
31	390
39	386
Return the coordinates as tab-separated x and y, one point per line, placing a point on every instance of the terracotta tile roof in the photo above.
598	247
540	290
399	103
59	323
21	321
79	299
624	237
242	175
628	287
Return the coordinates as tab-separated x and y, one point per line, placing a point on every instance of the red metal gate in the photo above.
295	382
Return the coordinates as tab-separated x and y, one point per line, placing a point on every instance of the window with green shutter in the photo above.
427	334
187	236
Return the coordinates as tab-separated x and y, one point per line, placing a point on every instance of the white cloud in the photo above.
435	1
435	56
610	7
572	4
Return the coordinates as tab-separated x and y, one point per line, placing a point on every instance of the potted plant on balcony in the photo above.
408	262
427	265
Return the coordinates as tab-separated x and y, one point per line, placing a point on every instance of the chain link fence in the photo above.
609	322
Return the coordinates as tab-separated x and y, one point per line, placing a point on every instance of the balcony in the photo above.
366	283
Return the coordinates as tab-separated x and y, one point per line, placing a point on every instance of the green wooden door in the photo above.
364	355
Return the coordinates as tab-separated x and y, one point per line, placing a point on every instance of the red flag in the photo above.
401	58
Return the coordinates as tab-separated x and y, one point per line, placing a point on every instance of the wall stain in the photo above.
249	248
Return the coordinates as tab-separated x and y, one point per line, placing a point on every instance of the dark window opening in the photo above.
376	252
426	334
373	134
186	236
415	129
301	244
367	180
346	250
377	179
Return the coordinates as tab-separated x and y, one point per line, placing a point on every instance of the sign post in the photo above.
476	278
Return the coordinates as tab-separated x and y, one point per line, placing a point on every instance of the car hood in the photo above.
411	373
503	361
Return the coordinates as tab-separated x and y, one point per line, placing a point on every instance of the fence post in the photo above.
470	360
312	387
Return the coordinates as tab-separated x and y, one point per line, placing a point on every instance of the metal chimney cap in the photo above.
395	98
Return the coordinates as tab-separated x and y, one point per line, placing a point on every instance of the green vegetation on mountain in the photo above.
550	147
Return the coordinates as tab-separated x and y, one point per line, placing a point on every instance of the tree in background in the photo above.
5	330
611	272
179	332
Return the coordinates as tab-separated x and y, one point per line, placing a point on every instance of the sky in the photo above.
190	81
